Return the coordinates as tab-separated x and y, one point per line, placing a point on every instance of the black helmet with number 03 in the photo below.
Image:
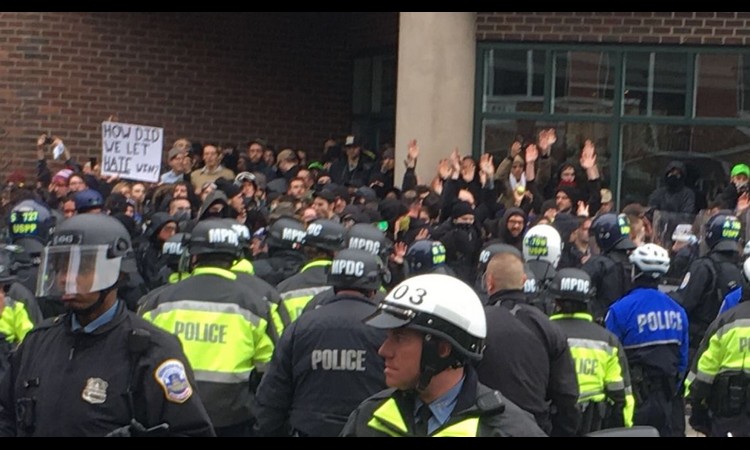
86	254
214	236
325	234
430	304
357	269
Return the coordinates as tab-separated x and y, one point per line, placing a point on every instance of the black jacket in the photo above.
562	387
703	289
280	265
325	364
66	383
515	362
610	274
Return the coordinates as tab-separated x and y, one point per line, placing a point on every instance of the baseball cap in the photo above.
740	169
174	151
352	141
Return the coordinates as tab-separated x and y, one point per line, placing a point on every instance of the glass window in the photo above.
584	82
655	84
722	85
514	81
498	135
709	152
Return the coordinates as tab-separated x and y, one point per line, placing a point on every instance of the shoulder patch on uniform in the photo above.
685	281
172	378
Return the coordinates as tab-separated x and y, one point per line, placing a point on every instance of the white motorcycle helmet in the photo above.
651	260
542	242
441	306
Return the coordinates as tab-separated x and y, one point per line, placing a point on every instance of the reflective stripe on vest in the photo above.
222	341
388	419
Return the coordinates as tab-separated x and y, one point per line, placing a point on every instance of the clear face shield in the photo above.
76	269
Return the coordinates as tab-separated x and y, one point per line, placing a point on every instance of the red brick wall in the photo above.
707	28
224	77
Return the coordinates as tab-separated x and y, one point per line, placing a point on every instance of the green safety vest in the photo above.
14	321
388	419
728	350
598	369
223	341
295	300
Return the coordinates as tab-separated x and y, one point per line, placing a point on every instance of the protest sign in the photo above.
131	151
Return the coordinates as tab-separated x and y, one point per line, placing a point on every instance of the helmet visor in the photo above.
389	316
76	269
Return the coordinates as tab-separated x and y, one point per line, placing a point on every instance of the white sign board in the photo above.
132	151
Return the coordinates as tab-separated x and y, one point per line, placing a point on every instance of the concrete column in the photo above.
435	87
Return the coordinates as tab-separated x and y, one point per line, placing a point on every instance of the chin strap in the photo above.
431	364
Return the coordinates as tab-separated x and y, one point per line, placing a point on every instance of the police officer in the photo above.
542	249
361	236
242	264
610	269
718	382
99	369
426	256
322	239
504	281
223	327
285	258
326	362
10	267
710	278
31	224
653	330
15	319
431	344
485	255
600	361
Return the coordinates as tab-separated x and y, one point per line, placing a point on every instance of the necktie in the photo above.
422	420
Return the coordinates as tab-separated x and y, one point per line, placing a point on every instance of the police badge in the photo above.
95	391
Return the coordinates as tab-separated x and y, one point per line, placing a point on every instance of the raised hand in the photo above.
445	168
588	155
583	209
411	155
456	160
532	153
398	253
486	166
515	148
547	138
413	151
423	234
743	201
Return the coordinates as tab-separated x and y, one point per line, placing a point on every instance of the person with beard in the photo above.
675	196
510	228
576	250
738	184
462	239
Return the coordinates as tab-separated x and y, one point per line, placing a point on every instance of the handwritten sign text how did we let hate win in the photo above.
132	151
